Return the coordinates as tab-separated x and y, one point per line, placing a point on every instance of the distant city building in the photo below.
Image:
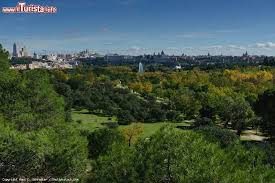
52	57
14	53
20	54
84	54
86	57
114	58
245	54
35	56
23	52
19	67
68	56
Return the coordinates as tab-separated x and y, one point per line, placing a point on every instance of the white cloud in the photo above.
135	48
267	45
236	47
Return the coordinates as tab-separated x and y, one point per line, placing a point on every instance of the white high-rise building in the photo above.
23	52
35	56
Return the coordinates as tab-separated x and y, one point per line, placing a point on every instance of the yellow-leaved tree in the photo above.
132	132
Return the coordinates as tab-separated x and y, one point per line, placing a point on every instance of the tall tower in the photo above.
14	52
140	68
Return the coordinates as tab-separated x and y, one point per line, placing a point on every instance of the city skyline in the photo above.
23	52
137	27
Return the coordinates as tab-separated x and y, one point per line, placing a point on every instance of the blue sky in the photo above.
194	27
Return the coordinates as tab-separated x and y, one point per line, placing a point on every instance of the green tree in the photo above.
235	112
60	76
174	156
4	61
215	134
35	141
29	101
265	107
70	153
186	103
124	117
177	156
101	140
52	152
117	166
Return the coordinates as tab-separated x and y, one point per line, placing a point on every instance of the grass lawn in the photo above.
91	122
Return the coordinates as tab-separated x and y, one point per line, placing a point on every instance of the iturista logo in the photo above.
22	7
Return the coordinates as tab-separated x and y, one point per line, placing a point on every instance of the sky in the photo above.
193	27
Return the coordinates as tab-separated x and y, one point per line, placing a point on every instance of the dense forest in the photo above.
40	139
